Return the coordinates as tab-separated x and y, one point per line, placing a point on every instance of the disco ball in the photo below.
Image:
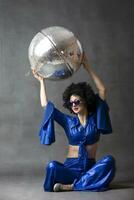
55	53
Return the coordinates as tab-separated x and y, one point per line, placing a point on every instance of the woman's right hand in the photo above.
43	96
37	76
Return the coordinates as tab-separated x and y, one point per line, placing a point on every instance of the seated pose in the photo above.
80	170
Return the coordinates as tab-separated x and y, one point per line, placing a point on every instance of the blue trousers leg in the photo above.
56	172
98	177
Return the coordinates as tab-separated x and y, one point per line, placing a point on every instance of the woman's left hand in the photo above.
85	62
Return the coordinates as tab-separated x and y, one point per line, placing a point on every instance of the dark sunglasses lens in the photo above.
76	103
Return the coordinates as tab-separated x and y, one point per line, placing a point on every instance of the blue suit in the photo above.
85	173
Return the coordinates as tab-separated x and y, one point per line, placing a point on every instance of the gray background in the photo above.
105	29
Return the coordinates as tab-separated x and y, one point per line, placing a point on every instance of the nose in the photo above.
74	105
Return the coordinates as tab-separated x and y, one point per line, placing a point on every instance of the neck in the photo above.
83	117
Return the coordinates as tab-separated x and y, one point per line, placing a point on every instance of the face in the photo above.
77	104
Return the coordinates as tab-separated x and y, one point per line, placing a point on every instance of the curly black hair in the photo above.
82	89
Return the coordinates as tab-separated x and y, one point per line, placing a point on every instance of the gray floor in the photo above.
26	188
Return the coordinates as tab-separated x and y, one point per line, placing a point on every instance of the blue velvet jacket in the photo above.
97	122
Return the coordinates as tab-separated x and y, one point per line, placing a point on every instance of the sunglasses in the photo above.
76	103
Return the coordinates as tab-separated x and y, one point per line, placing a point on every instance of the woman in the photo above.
80	171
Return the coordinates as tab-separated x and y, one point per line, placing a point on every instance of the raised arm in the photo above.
59	117
43	95
98	82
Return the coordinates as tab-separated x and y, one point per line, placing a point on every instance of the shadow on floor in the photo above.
121	185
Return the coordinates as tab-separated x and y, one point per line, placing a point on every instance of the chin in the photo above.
76	111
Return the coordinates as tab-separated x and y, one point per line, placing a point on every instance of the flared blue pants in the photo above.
84	173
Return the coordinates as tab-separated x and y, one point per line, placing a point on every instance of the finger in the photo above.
33	71
36	76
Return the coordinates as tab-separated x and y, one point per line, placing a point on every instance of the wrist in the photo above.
41	81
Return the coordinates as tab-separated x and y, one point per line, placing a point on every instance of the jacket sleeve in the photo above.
102	116
47	130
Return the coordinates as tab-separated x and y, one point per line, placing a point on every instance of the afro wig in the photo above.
86	93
